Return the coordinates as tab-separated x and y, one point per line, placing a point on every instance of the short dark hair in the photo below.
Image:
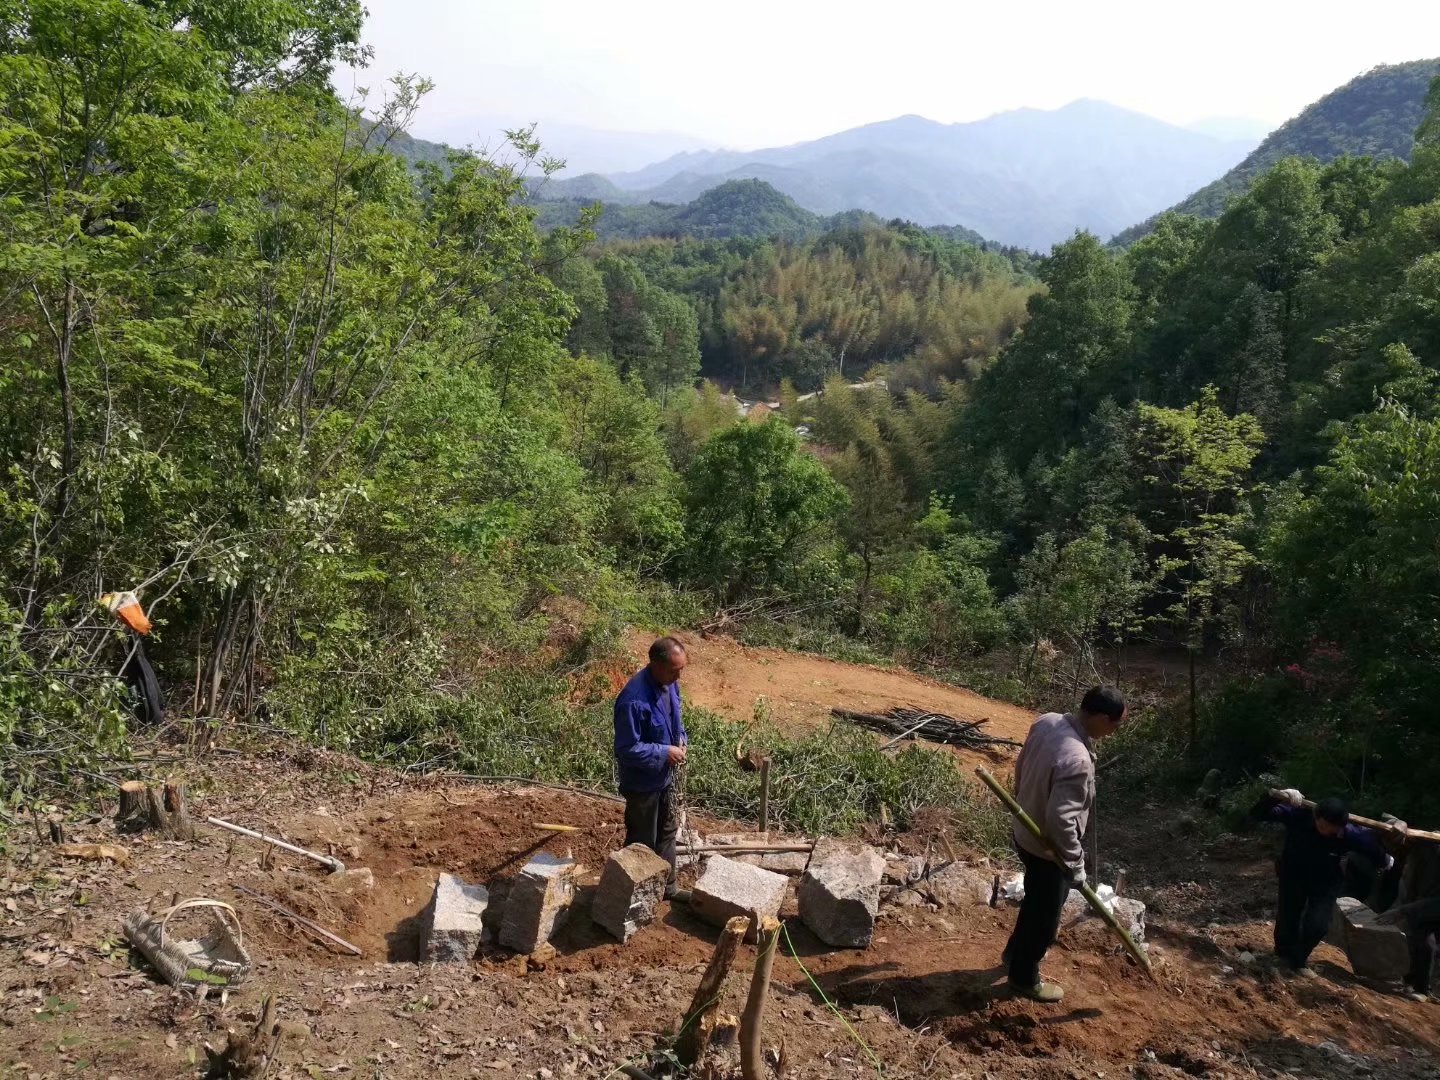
1333	810
661	649
1104	701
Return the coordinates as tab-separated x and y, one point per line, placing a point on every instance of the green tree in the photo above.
756	506
1354	562
1197	465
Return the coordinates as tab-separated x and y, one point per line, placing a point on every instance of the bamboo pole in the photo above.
739	849
1096	904
1370	823
701	1016
752	1020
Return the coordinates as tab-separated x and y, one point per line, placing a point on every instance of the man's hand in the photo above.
677	755
1292	797
1077	876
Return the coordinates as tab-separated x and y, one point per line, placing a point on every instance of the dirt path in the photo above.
800	689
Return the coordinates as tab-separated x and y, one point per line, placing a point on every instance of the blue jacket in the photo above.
647	724
1311	859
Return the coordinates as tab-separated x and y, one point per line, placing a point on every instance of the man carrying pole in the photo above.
1311	871
1055	786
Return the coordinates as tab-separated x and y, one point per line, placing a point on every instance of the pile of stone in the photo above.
526	912
841	888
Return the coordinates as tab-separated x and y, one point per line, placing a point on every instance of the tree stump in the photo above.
131	811
702	1018
164	810
178	824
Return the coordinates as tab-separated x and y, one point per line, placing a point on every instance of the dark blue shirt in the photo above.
1314	859
647	724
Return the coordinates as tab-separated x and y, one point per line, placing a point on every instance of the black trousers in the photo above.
1422	933
1047	884
1303	911
650	820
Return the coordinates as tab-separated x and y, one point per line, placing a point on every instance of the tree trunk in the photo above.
702	1016
1194	711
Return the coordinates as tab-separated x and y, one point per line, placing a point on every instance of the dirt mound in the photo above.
728	678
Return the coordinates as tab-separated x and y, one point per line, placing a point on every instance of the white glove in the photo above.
1077	876
1293	797
1389	862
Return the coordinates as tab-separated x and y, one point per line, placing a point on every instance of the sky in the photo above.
753	73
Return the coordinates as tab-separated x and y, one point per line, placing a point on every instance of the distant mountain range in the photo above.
1374	115
1029	177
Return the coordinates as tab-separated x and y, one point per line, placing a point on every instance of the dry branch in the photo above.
300	920
906	722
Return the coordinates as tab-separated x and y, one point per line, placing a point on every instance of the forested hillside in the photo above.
759	313
389	463
1374	115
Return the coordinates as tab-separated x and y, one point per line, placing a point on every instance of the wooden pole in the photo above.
1370	823
1096	904
336	866
765	797
752	1020
702	1015
739	849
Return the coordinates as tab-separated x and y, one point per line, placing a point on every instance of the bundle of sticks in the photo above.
909	722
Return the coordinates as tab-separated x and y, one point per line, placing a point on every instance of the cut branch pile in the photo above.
909	722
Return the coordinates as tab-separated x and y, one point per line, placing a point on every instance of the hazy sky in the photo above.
750	73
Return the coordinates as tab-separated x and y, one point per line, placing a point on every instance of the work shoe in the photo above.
1047	993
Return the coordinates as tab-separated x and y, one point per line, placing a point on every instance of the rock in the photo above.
360	879
1129	913
728	888
840	892
454	921
631	887
785	862
1376	951
539	901
902	870
960	886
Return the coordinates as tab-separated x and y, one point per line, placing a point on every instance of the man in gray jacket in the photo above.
1055	784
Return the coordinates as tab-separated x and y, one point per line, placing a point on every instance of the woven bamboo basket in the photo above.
216	960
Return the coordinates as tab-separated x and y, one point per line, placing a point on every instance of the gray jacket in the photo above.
1055	785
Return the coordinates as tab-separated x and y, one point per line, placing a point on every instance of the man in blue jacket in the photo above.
650	741
1312	869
